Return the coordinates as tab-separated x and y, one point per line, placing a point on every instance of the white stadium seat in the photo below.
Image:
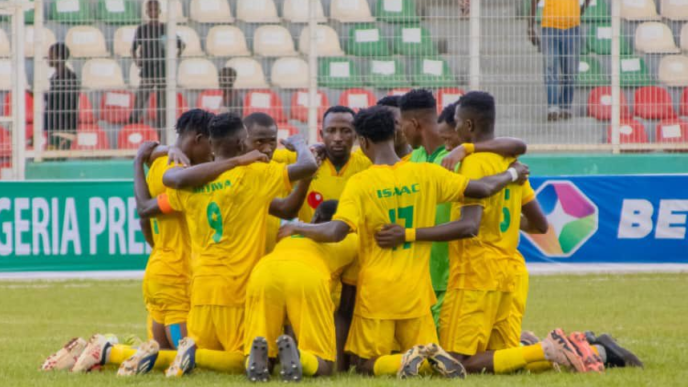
327	42
273	40
210	11
86	42
298	11
250	73
289	73
257	11
124	37
197	73
351	11
192	43
100	74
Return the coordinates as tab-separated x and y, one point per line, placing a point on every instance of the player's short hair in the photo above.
447	114
258	118
225	125
61	51
326	210
196	120
338	109
389	101
482	105
417	99
375	123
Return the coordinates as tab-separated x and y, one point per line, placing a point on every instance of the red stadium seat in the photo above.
5	143
28	98
600	104
401	91
285	130
299	105
357	99
90	137
683	106
672	131
265	101
630	132
131	136
116	106
210	100
86	115
447	96
152	113
653	103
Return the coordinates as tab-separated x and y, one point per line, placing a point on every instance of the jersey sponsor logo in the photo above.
212	187
398	191
573	219
314	199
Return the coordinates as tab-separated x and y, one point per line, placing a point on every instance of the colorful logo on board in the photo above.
572	217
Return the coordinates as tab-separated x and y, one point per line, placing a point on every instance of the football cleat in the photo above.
289	357
617	356
185	361
529	338
411	362
590	358
94	355
443	363
142	361
257	368
559	350
66	357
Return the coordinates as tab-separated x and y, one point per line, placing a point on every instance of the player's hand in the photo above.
454	157
253	156
390	236
176	156
522	170
286	230
318	151
294	142
145	151
532	37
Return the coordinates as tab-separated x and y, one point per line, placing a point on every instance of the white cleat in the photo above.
142	361
94	355
66	357
185	361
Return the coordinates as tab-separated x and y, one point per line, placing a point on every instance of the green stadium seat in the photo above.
366	40
413	41
591	73
71	11
634	72
432	72
386	74
118	12
396	11
338	73
600	41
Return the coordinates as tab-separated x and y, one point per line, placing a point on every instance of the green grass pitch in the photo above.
647	313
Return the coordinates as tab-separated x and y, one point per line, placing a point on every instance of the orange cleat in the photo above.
591	360
558	349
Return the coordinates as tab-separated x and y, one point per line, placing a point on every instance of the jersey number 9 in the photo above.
215	220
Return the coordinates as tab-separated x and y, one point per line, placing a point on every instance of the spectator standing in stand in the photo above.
61	100
231	101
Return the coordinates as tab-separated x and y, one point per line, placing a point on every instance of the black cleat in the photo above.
290	360
617	356
257	368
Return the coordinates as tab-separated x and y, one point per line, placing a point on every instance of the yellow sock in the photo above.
509	360
232	362
165	359
387	365
539	366
119	353
309	363
425	368
533	353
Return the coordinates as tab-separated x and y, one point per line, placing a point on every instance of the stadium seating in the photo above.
597	12
131	136
86	114
249	73
48	40
673	70
265	101
86	42
447	96
5	50
590	72
5	144
684	37
327	42
71	11
273	40
116	106
298	11
257	11
671	131
357	99
350	11
366	40
117	11
192	43
432	72
134	75
600	40
683	105
289	73
90	137
653	103
210	100
655	38
28	101
634	72
338	73
123	39
396	11
152	111
179	10
630	132
226	41
101	74
399	91
637	10
413	41
6	75
386	73
299	105
674	10
197	73
600	104
210	11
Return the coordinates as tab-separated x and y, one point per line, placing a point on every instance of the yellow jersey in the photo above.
561	14
170	259
484	262
285	157
227	221
395	283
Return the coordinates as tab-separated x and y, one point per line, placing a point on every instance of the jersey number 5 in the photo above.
405	213
506	222
215	220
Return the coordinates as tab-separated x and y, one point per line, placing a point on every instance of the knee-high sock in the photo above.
309	363
512	359
165	359
119	353
539	366
387	365
232	362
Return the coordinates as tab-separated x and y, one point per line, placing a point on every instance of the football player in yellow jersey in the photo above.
394	288
401	146
295	283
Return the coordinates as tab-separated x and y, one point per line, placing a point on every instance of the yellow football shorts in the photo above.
369	338
475	321
281	289
217	327
167	303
